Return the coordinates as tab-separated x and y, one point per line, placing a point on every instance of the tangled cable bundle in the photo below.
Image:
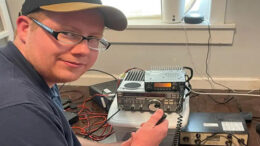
91	124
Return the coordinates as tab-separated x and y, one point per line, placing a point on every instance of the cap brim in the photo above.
113	18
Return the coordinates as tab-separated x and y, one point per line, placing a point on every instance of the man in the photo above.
56	41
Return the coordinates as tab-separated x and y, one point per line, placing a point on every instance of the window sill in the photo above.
155	32
3	34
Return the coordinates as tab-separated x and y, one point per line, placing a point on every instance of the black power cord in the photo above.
103	73
219	102
176	138
207	61
191	72
187	82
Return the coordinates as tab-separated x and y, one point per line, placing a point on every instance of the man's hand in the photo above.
149	134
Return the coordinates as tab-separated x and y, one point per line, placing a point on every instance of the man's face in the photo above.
59	62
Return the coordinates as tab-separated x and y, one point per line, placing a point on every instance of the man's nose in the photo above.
81	49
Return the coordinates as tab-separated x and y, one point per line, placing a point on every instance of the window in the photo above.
6	30
144	21
152	8
136	8
202	7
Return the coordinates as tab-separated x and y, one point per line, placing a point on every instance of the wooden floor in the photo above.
203	103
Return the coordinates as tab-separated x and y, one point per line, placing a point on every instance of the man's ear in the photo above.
23	28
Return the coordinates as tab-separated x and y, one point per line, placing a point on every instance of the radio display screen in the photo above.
162	85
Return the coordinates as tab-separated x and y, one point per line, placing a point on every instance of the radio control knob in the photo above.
132	107
197	141
186	139
168	108
154	105
198	136
141	107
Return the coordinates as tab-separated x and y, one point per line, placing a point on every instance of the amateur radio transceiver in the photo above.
149	90
164	80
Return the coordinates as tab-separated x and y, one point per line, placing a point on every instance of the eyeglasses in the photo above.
74	38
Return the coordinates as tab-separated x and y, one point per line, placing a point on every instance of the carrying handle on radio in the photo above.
188	87
191	73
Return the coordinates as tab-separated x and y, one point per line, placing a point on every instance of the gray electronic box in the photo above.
219	129
149	90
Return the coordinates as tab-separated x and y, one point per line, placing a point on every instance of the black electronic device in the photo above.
193	18
132	96
248	116
164	80
71	117
65	101
257	128
103	93
161	119
219	129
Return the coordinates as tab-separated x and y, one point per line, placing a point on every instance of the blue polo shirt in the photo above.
29	113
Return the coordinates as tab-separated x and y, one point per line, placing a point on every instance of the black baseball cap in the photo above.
113	18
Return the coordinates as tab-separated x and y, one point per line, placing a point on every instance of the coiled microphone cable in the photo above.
176	138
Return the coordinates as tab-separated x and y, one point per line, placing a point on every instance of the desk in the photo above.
126	122
204	103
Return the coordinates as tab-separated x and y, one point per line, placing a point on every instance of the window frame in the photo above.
142	31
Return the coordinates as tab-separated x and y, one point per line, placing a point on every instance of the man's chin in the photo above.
65	79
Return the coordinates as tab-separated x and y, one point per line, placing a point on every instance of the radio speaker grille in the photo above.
135	75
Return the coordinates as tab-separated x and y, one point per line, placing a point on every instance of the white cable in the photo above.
189	52
228	94
191	58
253	90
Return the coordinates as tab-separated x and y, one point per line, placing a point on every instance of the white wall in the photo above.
14	7
236	65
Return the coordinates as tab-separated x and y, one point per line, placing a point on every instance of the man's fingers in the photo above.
154	118
127	142
164	124
161	128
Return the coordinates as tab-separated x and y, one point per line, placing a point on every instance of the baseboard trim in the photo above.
196	82
233	83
